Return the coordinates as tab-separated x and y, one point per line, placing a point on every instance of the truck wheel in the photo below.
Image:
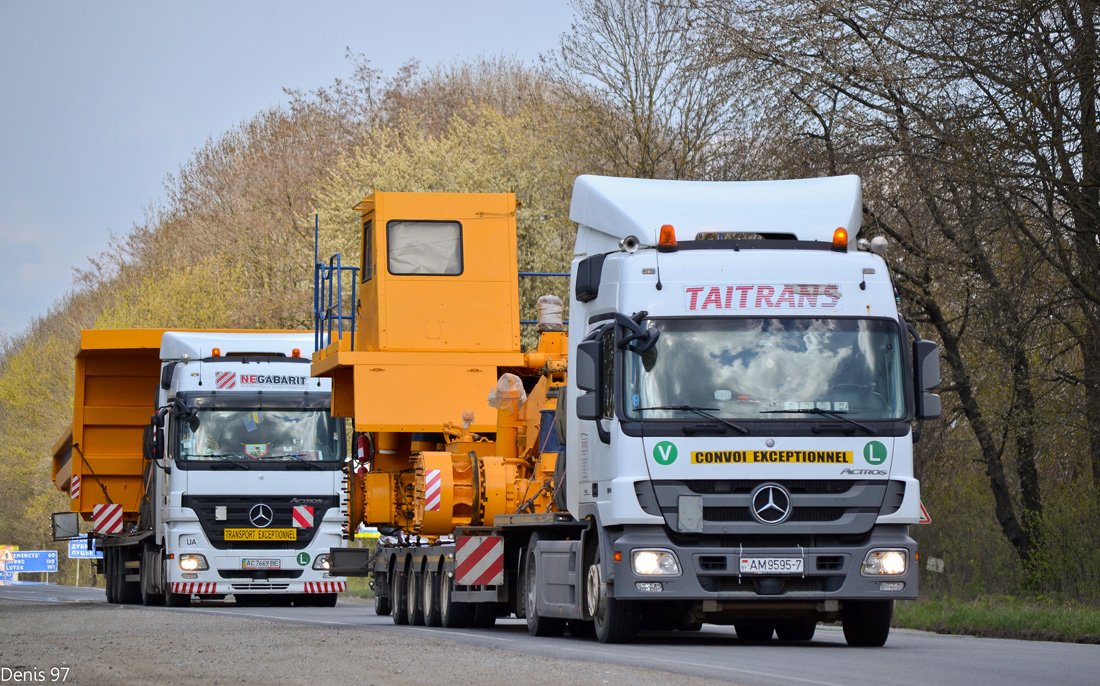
177	599
616	620
754	633
453	615
537	625
109	573
797	630
148	595
429	595
867	622
397	595
412	592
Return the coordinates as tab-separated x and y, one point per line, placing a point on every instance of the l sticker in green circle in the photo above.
664	453
874	452
303	559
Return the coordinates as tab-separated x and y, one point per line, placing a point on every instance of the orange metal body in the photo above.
117	376
429	348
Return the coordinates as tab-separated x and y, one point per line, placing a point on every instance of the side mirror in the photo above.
152	442
926	360
588	406
66	525
926	367
587	372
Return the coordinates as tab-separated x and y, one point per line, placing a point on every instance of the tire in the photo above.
109	556
537	625
754	633
867	622
452	615
797	630
485	615
397	595
616	620
177	599
148	595
414	602
429	597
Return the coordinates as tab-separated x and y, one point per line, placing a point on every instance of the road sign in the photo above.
83	549
33	561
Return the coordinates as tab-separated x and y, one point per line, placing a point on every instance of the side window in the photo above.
607	373
366	271
424	247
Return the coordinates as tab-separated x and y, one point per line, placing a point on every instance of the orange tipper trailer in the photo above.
117	372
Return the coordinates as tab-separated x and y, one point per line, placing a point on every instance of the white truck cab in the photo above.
742	399
250	475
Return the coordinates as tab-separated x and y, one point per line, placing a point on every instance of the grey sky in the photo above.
102	100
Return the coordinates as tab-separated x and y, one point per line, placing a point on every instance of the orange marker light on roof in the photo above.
840	238
668	237
297	352
216	352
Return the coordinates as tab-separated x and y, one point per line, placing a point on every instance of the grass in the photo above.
359	586
1001	617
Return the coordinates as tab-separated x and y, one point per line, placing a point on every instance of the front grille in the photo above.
260	587
259	573
833	507
237	517
745	486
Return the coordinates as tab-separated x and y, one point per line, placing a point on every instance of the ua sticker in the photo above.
303	559
664	453
874	452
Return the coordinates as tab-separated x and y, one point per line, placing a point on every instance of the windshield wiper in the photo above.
824	413
224	458
701	411
313	464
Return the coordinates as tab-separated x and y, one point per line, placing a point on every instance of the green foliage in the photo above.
1002	617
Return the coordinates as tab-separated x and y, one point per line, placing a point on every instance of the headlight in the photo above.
885	562
321	562
193	562
656	562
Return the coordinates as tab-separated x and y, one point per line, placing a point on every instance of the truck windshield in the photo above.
777	369
260	435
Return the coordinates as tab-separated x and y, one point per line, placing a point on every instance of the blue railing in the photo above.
328	305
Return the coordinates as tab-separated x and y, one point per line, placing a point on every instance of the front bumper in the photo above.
831	571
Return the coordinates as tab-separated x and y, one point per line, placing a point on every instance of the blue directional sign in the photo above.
83	549
32	561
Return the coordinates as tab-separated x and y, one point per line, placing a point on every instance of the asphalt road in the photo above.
910	658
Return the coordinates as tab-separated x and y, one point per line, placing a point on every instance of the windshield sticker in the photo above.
665	453
792	296
874	452
257	450
756	456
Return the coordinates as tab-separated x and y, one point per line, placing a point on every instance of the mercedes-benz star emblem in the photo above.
261	515
771	504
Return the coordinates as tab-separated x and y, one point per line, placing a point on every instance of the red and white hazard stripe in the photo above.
326	586
433	490
479	560
107	519
74	487
225	380
200	589
302	516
